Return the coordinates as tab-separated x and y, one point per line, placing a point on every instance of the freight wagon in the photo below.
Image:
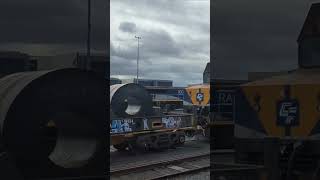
136	124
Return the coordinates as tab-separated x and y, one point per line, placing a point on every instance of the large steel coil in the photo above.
130	100
53	123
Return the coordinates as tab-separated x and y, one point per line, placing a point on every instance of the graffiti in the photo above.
172	122
121	126
145	124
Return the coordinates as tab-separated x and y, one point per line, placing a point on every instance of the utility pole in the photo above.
88	36
138	59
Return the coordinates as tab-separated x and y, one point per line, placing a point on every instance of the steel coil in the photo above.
53	123
130	100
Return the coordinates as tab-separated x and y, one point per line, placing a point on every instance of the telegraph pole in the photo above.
88	36
138	59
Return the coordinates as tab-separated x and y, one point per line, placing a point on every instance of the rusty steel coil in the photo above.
53	123
127	100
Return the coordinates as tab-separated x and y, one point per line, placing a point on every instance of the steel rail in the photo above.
148	166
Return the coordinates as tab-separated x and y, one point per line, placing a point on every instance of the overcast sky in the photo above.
256	35
175	42
50	27
249	35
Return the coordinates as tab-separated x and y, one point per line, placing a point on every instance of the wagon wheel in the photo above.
121	147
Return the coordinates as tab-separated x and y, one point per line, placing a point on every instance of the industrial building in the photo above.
11	62
115	81
179	92
158	83
150	82
96	63
54	62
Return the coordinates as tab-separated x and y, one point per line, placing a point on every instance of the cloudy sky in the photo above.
255	35
248	35
51	27
175	42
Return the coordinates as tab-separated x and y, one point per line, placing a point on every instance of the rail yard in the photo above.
264	129
151	143
193	158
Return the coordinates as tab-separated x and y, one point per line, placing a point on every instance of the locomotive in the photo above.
285	108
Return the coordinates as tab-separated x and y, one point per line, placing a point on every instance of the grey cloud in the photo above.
128	54
160	43
52	22
170	47
160	5
163	11
153	44
256	36
128	27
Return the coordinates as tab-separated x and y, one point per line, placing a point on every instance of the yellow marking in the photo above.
194	90
307	96
269	95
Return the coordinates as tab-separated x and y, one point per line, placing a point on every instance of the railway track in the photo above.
165	169
237	171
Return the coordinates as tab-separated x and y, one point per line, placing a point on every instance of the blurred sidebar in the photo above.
54	76
265	90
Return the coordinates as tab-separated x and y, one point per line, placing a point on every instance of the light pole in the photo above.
88	36
138	59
